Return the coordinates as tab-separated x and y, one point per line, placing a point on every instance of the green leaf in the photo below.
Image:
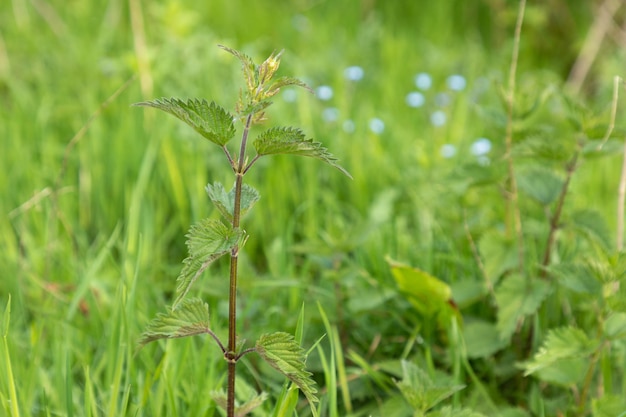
283	353
609	405
284	82
577	277
287	140
564	343
248	67
518	297
541	184
225	202
615	326
592	225
242	410
482	339
420	391
190	318
208	119
207	241
426	293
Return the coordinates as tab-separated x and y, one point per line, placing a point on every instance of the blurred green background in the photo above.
97	195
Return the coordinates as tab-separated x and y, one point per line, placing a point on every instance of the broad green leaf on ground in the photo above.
427	294
499	254
208	119
482	339
207	241
564	345
516	298
283	353
420	391
225	201
190	318
541	184
287	140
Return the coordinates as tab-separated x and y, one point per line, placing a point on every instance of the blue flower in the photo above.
438	118
330	114
456	82
376	125
415	99
481	147
423	81
448	150
324	92
354	73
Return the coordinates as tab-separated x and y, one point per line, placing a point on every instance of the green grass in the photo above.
92	234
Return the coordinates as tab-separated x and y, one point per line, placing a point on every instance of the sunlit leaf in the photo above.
225	202
208	119
207	241
428	294
190	318
283	353
518	297
286	140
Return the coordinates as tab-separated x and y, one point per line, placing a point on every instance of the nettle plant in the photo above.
212	239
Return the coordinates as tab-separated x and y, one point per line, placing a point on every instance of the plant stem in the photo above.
231	354
556	217
512	194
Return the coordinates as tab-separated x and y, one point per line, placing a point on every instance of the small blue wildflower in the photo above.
423	81
438	118
354	73
415	99
324	92
456	82
448	150
481	147
376	125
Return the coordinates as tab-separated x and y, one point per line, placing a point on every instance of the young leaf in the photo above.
287	140
248	67
284	82
210	120
207	241
225	202
190	318
517	298
562	343
421	392
281	351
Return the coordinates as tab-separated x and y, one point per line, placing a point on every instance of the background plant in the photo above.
420	127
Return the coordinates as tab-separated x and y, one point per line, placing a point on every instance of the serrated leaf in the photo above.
208	119
561	344
576	276
541	184
287	140
225	202
420	391
517	298
207	241
190	318
284	82
283	353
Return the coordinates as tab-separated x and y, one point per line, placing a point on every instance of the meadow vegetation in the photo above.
474	266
